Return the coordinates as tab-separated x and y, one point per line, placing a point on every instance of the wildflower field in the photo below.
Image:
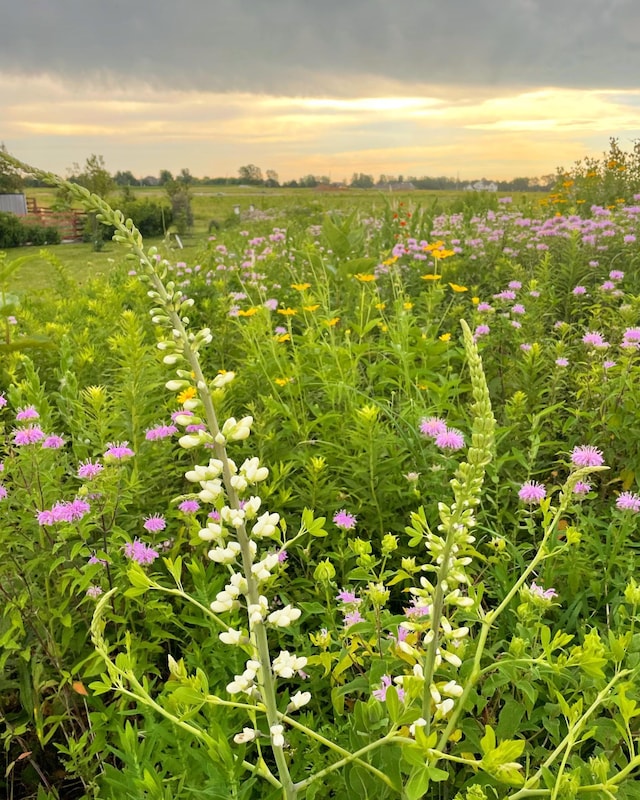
344	507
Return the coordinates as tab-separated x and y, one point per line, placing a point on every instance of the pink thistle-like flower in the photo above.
77	509
160	432
3	400
481	330
381	693
540	591
432	427
595	339
94	591
28	412
417	609
628	501
3	492
214	515
514	284
562	362
282	556
518	308
95	560
140	552
526	347
344	520
532	492
347	597
117	451
484	307
352	618
587	455
88	470
582	487
189	506
577	290
616	275
608	364
53	442
154	523
450	439
30	435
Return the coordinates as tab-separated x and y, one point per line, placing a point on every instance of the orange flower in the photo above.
300	287
287	312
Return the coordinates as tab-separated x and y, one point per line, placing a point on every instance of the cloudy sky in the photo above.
495	88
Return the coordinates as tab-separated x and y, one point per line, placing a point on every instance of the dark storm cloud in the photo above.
326	46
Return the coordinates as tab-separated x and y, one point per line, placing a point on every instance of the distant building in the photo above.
481	186
398	186
14	204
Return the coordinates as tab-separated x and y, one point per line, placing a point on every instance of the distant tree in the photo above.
251	174
10	179
126	178
308	181
165	177
95	177
180	199
185	177
272	179
293	184
361	181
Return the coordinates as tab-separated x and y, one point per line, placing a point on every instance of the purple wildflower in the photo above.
432	427
582	487
140	552
94	591
481	330
282	556
189	506
344	520
518	308
117	451
28	412
532	492
381	693
594	339
579	290
450	439
3	400
616	275
3	492
95	560
628	501
154	523
540	591
514	285
160	432
562	362
88	470
484	307
587	455
347	597
526	347
30	435
53	442
352	618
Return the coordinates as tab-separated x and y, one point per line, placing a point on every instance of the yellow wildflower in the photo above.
311	308
186	394
332	322
475	300
381	306
287	312
457	288
283	337
431	277
364	277
407	306
444	337
442	253
388	262
283	381
300	287
248	313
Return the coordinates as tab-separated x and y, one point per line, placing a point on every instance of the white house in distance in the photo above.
481	186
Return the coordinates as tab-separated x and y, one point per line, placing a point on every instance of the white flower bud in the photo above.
230	637
266	525
175	386
283	617
277	739
298	700
247	735
223	379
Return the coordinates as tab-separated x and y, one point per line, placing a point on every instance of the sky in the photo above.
468	88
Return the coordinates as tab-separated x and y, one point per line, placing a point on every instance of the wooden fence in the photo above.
69	223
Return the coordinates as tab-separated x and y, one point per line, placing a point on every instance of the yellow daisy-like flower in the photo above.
300	287
248	313
407	306
444	337
283	337
311	308
365	277
457	288
433	246
475	300
388	262
438	254
332	322
380	306
431	277
187	394
287	312
283	381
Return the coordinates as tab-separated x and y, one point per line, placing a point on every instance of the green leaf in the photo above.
418	783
